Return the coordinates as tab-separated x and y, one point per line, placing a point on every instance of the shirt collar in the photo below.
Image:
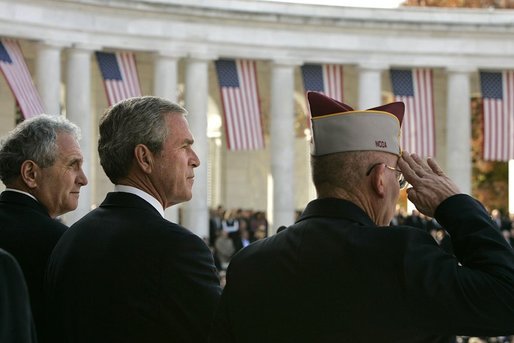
143	195
22	192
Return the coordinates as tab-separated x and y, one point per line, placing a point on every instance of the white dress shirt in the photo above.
143	195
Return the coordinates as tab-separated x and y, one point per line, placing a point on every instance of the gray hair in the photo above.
34	139
343	170
130	122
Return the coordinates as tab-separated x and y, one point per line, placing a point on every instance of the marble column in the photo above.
458	127
166	75
79	111
370	85
196	212
166	86
282	135
48	76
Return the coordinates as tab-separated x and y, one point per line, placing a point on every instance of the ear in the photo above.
29	171
144	158
377	180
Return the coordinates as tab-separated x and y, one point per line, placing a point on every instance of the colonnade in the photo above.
195	212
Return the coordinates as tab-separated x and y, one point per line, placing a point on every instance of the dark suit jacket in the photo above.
16	325
125	274
334	276
29	234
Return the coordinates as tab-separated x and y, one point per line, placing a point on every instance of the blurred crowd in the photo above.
230	230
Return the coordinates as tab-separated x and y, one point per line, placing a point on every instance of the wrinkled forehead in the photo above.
68	145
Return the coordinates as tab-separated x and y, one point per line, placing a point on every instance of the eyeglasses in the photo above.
401	179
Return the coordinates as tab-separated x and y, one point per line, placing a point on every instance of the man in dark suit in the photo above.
41	166
123	273
16	324
341	274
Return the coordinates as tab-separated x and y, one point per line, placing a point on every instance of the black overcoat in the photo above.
16	324
29	234
334	276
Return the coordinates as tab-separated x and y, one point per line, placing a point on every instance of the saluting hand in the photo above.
430	186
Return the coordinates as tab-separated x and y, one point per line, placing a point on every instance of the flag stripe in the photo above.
510	111
504	128
229	127
129	71
498	101
240	101
247	113
488	127
27	87
119	72
415	88
18	77
253	121
247	89
240	119
23	84
245	67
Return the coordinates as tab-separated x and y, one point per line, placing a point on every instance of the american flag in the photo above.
415	88
498	96
324	78
240	99
119	73
18	77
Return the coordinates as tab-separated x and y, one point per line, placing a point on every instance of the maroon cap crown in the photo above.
320	105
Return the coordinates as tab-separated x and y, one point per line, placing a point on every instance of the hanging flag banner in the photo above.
14	68
498	100
415	88
240	100
119	73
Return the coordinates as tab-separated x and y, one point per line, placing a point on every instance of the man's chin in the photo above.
181	200
70	208
187	198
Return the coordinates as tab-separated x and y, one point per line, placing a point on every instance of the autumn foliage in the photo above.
461	3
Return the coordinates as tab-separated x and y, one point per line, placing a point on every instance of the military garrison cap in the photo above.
336	127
